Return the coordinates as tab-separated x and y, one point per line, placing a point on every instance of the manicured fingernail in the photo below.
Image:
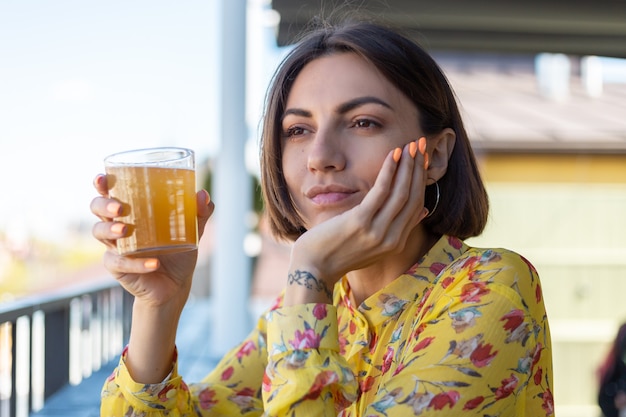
207	197
397	153
426	161
412	149
114	208
98	180
151	263
422	145
118	228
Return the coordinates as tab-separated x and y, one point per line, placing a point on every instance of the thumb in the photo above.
205	209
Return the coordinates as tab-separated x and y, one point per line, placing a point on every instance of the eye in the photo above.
366	123
294	131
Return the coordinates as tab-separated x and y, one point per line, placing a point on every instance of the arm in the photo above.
231	389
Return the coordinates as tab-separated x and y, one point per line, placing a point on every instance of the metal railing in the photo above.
50	340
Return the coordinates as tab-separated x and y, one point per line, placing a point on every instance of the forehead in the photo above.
339	77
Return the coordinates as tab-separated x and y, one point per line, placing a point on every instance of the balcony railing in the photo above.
51	340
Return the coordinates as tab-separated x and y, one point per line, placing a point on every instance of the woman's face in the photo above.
341	119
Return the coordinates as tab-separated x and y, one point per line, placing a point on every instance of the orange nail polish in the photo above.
397	153
118	228
151	264
426	161
422	145
114	208
412	149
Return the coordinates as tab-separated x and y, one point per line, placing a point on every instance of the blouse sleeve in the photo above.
306	374
231	389
479	345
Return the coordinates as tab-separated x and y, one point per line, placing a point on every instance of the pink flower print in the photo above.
277	303
306	340
387	360
455	242
399	369
367	383
423	344
473	403
245	350
228	372
482	355
518	329
538	376
419	330
437	267
373	342
319	311
206	398
322	380
266	384
527	262
538	293
472	292
513	319
446	282
445	398
548	402
343	343
506	388
536	355
246	392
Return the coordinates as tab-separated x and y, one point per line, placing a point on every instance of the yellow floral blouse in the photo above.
462	333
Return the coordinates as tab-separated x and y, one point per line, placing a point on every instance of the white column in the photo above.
230	277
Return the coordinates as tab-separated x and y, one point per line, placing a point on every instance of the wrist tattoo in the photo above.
308	280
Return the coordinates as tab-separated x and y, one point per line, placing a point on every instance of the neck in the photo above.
367	281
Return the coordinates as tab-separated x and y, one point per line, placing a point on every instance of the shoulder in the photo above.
505	263
498	269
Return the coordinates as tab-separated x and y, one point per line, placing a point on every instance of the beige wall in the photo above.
567	214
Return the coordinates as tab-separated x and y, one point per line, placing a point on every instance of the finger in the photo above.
399	190
413	211
100	184
106	208
119	265
205	209
379	192
109	232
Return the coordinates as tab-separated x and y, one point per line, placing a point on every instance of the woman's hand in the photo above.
154	281
379	226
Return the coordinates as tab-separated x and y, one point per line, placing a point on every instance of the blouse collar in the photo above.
409	287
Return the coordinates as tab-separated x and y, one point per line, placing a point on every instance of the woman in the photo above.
367	167
612	378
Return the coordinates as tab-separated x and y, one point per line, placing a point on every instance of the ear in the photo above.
439	149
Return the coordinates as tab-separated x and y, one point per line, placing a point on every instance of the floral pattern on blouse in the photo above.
463	332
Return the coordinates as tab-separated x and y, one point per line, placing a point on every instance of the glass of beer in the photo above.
157	189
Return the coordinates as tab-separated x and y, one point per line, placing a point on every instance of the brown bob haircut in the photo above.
463	206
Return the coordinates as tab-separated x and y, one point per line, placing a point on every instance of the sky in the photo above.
82	79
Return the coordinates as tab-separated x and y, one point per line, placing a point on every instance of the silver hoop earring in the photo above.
430	212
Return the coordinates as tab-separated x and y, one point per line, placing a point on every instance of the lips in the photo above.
328	194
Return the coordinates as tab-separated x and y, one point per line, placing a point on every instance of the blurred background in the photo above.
542	86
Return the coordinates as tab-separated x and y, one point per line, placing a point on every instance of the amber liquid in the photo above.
159	208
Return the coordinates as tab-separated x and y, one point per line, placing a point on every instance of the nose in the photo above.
326	152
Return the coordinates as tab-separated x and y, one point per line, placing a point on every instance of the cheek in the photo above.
292	171
370	167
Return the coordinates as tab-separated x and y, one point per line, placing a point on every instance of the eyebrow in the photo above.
342	108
